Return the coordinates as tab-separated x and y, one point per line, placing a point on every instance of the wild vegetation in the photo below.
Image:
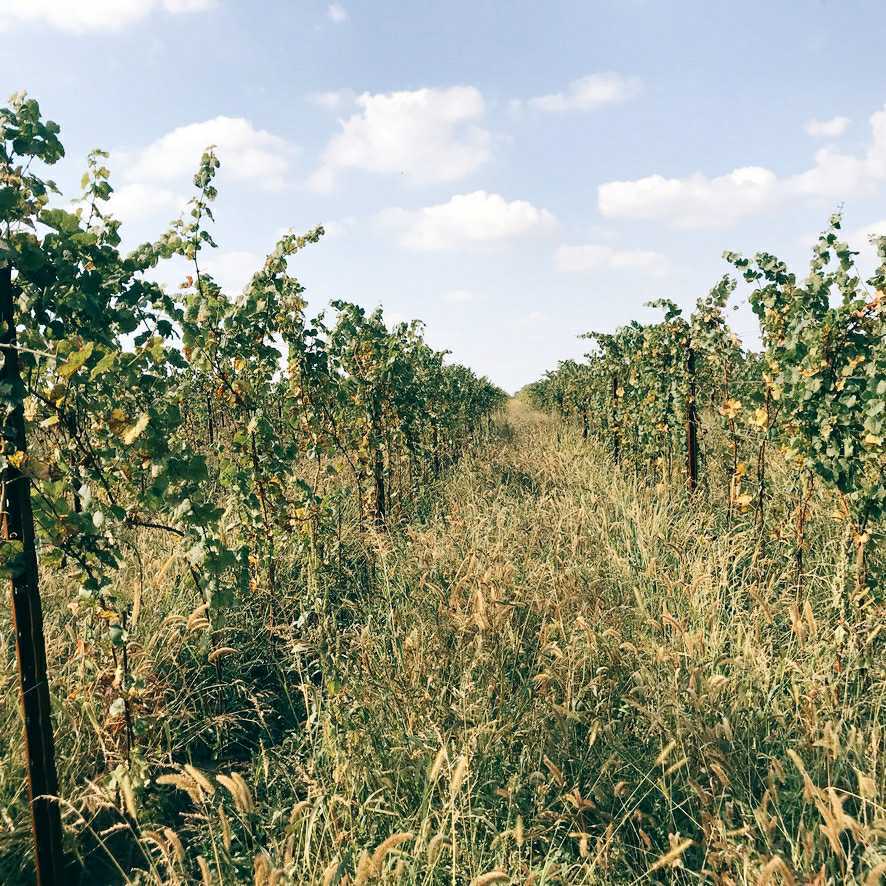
319	606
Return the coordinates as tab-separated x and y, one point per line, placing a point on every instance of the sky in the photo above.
512	173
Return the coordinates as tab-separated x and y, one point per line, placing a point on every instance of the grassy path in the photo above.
562	676
568	677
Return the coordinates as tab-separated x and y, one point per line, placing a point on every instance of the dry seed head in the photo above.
205	874
198	618
330	872
261	869
774	866
665	752
239	791
435	846
176	844
672	856
867	787
720	772
458	776
222	651
159	841
595	731
383	848
675	766
491	877
363	871
244	791
582	843
183	783
556	772
165	568
297	810
810	619
171	620
229	783
128	797
200	778
437	765
225	826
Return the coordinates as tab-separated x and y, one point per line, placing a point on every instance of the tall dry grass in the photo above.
564	676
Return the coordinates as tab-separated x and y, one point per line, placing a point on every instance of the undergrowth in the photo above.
562	675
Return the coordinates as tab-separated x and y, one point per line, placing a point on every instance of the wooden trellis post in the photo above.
27	615
691	424
616	441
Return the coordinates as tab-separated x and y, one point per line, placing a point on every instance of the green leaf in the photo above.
61	221
103	365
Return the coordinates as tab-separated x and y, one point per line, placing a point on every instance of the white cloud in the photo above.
337	13
834	175
876	156
427	135
698	200
860	239
135	201
478	217
232	270
695	201
837	175
339	227
875	229
832	128
459	296
600	257
590	93
245	153
78	16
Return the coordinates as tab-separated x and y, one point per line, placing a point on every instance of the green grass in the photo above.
564	674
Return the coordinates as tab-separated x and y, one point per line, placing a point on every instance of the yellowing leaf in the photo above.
730	408
133	433
30	467
76	360
57	394
17	459
118	422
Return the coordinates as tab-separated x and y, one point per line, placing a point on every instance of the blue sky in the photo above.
512	173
